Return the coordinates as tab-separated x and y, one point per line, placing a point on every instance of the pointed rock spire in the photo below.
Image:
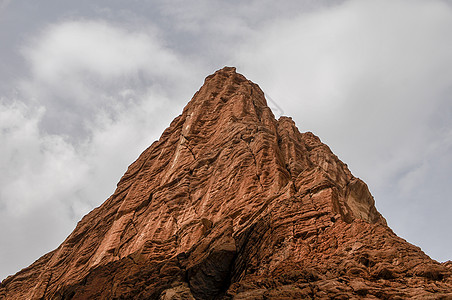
232	203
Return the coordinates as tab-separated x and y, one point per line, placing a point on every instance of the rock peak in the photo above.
225	70
227	89
231	203
225	73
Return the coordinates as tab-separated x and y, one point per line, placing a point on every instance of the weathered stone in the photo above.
231	203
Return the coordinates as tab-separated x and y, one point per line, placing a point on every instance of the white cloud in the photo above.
373	80
51	183
40	176
97	96
102	49
80	67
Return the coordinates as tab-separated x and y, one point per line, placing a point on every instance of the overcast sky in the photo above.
85	87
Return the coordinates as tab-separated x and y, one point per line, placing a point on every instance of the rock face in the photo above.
231	203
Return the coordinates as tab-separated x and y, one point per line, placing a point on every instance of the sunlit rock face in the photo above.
231	203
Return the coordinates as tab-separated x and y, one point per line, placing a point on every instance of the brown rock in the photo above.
231	203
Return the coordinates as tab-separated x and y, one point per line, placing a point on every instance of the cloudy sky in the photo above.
86	86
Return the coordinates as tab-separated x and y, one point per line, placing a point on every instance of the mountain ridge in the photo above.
231	203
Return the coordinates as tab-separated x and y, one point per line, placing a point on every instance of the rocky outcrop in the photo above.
231	203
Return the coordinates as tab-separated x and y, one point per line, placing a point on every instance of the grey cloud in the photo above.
372	80
48	183
49	169
81	67
102	80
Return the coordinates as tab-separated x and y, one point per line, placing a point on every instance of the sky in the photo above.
86	86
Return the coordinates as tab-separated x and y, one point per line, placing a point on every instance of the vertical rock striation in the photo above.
231	203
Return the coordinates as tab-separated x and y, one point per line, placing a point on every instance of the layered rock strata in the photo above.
231	203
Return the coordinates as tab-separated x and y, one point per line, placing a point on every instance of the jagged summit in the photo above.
231	203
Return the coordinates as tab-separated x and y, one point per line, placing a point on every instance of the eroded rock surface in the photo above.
231	203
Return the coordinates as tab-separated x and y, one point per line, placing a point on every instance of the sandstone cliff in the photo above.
231	203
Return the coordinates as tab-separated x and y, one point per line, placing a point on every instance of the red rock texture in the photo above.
231	203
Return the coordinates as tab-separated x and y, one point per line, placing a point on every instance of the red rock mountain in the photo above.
231	203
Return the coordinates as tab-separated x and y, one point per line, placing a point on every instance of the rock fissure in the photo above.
255	162
188	147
